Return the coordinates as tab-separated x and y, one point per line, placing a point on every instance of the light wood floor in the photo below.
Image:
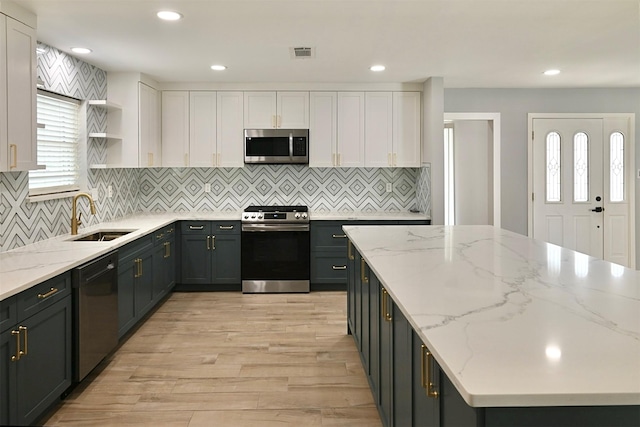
230	359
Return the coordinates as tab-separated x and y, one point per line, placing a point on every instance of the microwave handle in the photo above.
291	145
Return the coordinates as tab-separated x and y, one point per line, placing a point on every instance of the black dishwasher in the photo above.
95	322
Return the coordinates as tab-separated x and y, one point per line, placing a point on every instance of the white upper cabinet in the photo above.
322	129
175	128
378	129
270	110
150	144
292	110
230	133
350	140
406	129
202	129
18	139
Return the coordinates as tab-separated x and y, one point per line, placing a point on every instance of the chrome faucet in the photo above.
75	222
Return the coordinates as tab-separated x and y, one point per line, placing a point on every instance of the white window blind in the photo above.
57	145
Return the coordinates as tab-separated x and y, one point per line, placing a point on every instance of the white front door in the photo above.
579	194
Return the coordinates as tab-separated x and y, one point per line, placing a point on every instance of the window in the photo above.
616	156
580	167
553	167
58	135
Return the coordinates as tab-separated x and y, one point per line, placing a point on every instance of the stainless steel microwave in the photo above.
274	146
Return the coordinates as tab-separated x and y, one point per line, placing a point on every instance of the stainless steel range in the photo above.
275	249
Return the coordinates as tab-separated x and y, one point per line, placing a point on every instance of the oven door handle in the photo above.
274	227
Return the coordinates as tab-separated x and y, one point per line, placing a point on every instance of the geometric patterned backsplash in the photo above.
322	189
182	189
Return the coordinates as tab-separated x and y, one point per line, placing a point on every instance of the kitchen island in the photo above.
525	326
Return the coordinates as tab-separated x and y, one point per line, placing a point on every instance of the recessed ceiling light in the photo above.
169	15
218	67
552	72
81	50
377	68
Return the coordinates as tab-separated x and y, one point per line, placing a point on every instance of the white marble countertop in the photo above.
29	265
513	321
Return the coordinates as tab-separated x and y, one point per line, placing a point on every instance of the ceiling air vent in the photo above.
302	52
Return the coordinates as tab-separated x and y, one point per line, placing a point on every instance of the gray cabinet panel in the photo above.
8	397
226	259
195	259
386	361
402	369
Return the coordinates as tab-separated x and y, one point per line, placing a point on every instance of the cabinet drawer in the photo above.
134	248
8	313
163	234
328	267
226	227
195	227
327	235
43	295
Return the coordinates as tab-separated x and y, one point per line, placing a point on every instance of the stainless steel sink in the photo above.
101	236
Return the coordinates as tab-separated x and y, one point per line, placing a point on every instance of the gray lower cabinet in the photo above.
210	254
35	350
135	282
164	262
409	387
329	249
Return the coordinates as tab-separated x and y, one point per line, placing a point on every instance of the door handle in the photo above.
598	209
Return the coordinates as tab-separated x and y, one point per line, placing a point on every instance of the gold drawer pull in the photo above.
385	306
208	243
226	227
339	236
51	292
426	362
339	267
26	346
14	157
167	249
196	227
16	356
363	265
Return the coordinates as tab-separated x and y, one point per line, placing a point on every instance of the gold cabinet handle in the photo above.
363	265
338	267
51	292
140	264
138	272
14	158
350	251
213	243
196	227
385	306
426	362
167	249
339	236
208	243
25	350
16	356
226	227
159	236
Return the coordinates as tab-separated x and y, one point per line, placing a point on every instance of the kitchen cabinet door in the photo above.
322	129
8	368
150	144
407	116
4	145
402	369
195	259
350	288
365	316
202	129
374	336
230	129
350	138
226	259
19	103
260	110
175	128
292	110
378	144
425	409
386	358
143	293
44	372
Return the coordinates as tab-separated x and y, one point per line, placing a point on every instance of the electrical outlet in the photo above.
207	188
389	188
110	191
94	194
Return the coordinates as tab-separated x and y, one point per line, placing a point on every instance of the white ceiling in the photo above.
470	43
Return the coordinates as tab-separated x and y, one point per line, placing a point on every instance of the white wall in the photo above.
473	154
514	105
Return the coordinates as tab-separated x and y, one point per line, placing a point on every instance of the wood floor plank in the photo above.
230	359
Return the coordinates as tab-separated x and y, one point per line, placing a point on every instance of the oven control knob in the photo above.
253	216
297	215
304	215
246	216
259	216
